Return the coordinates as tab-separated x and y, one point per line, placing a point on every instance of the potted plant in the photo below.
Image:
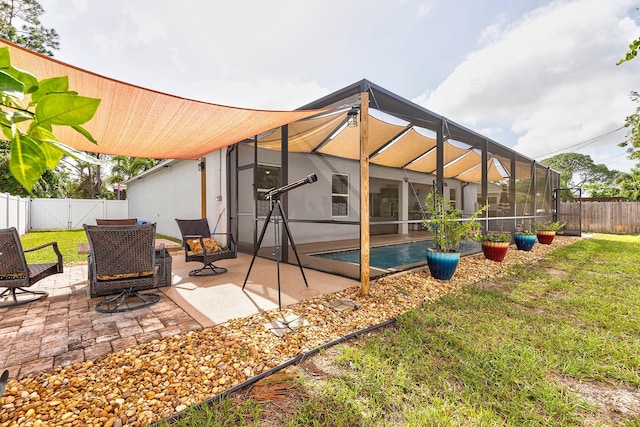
449	228
524	239
546	230
495	245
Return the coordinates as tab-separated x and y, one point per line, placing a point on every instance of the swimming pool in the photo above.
394	256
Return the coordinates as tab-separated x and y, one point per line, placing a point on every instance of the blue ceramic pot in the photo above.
442	265
524	242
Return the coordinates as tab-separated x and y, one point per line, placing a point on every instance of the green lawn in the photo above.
67	243
517	352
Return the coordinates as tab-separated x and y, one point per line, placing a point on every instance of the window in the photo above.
268	178
452	197
339	194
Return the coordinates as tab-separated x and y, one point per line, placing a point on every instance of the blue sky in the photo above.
538	76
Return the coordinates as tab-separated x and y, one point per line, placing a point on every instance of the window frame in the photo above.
342	195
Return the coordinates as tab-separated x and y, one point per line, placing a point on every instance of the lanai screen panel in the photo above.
543	190
503	163
523	169
524	188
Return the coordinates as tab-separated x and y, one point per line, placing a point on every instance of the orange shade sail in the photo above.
138	122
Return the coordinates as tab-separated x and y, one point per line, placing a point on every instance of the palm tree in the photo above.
124	168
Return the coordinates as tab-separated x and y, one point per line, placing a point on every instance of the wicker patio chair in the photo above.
123	221
122	261
203	246
16	274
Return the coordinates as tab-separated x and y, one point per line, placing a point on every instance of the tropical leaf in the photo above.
47	141
76	154
85	133
8	118
28	161
52	85
6	130
29	80
10	86
5	60
65	109
15	116
52	153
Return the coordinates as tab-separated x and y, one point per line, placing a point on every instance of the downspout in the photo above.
202	166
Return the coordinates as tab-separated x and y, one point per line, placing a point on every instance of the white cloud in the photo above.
261	94
176	58
548	79
423	9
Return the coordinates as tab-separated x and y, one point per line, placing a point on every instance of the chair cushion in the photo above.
125	275
209	244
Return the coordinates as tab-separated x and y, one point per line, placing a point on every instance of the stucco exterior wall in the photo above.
174	191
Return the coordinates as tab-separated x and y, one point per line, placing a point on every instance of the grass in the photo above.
67	244
494	355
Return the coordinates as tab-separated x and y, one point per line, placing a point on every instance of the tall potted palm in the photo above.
449	229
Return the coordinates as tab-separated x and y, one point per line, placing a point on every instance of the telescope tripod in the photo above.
276	212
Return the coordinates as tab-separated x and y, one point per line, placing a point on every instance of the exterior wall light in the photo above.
352	117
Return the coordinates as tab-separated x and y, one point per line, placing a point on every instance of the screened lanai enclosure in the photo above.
376	156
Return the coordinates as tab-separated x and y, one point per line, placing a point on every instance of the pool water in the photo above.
394	256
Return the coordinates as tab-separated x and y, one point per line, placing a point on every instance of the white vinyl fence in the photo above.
14	212
28	214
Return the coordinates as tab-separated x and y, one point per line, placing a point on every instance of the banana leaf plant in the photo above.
28	111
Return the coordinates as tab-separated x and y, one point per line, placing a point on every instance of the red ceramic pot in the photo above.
495	251
545	237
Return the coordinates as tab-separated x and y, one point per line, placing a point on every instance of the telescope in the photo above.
275	192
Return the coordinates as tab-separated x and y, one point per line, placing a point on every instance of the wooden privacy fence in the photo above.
611	217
